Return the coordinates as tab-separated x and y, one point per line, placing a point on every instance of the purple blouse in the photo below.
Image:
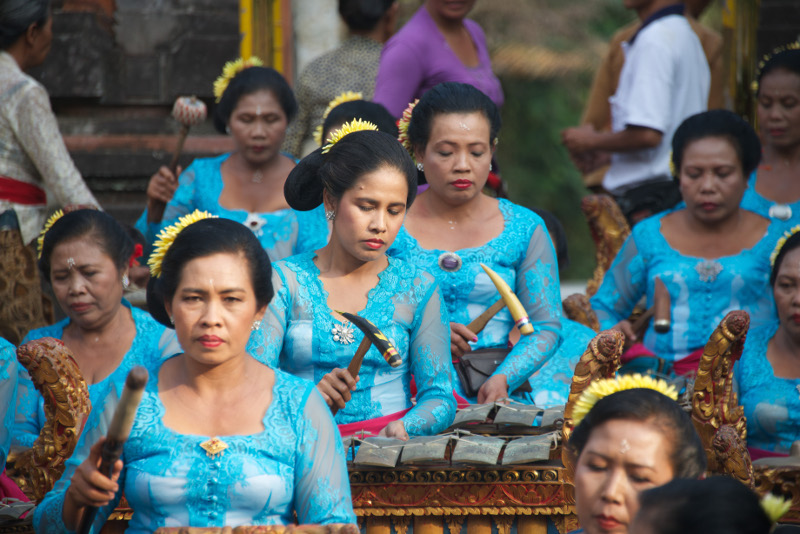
418	58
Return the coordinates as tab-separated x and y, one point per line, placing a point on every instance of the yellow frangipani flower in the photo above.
347	96
49	224
167	236
356	125
605	387
231	69
775	506
782	241
402	128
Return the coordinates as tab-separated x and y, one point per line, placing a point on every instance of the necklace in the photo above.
257	177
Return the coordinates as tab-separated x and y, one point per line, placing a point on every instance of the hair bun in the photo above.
303	188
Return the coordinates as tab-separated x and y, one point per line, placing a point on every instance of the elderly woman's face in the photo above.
214	308
86	282
778	108
258	126
711	179
621	459
787	293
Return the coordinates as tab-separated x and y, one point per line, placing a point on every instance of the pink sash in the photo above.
10	490
370	427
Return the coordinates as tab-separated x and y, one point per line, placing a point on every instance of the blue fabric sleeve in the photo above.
623	286
537	287
429	350
266	343
8	396
322	486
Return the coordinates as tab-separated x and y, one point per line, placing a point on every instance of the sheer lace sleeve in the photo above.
623	285
48	515
537	287
181	204
429	350
28	413
8	395
322	487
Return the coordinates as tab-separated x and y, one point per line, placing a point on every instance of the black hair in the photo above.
716	505
450	97
718	123
556	230
363	15
360	109
110	236
249	81
16	16
205	238
786	59
355	155
644	405
790	244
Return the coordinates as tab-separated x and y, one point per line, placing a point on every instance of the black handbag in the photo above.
475	367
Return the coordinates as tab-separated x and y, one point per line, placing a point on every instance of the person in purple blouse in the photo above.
438	44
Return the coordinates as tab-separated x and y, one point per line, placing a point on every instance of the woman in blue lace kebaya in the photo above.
773	189
219	438
366	181
712	256
768	373
86	255
454	227
245	185
8	395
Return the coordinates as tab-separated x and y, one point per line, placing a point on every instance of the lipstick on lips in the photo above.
374	243
607	523
462	184
80	307
210	341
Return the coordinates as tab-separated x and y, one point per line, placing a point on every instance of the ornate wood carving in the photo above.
716	413
578	308
66	405
609	230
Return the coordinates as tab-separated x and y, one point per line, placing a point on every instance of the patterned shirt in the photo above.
32	149
351	67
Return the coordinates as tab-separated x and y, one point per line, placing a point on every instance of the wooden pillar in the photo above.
532	524
428	525
479	524
378	525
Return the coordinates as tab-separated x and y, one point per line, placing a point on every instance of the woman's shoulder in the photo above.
205	167
290	393
54	330
409	273
415	34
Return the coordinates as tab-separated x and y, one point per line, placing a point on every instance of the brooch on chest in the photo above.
254	223
214	447
342	333
708	270
780	211
450	262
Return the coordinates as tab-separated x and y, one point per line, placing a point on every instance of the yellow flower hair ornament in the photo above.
347	96
402	128
231	69
775	507
605	387
672	170
167	236
782	241
356	125
49	224
783	48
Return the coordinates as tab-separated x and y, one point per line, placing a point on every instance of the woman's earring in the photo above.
228	130
256	325
420	167
172	320
330	215
126	282
490	167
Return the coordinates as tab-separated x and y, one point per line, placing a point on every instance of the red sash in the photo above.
370	427
21	192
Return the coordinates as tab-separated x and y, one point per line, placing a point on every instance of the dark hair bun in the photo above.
303	188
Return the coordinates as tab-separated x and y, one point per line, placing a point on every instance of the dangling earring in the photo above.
256	325
172	320
490	167
330	215
420	167
126	282
228	130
